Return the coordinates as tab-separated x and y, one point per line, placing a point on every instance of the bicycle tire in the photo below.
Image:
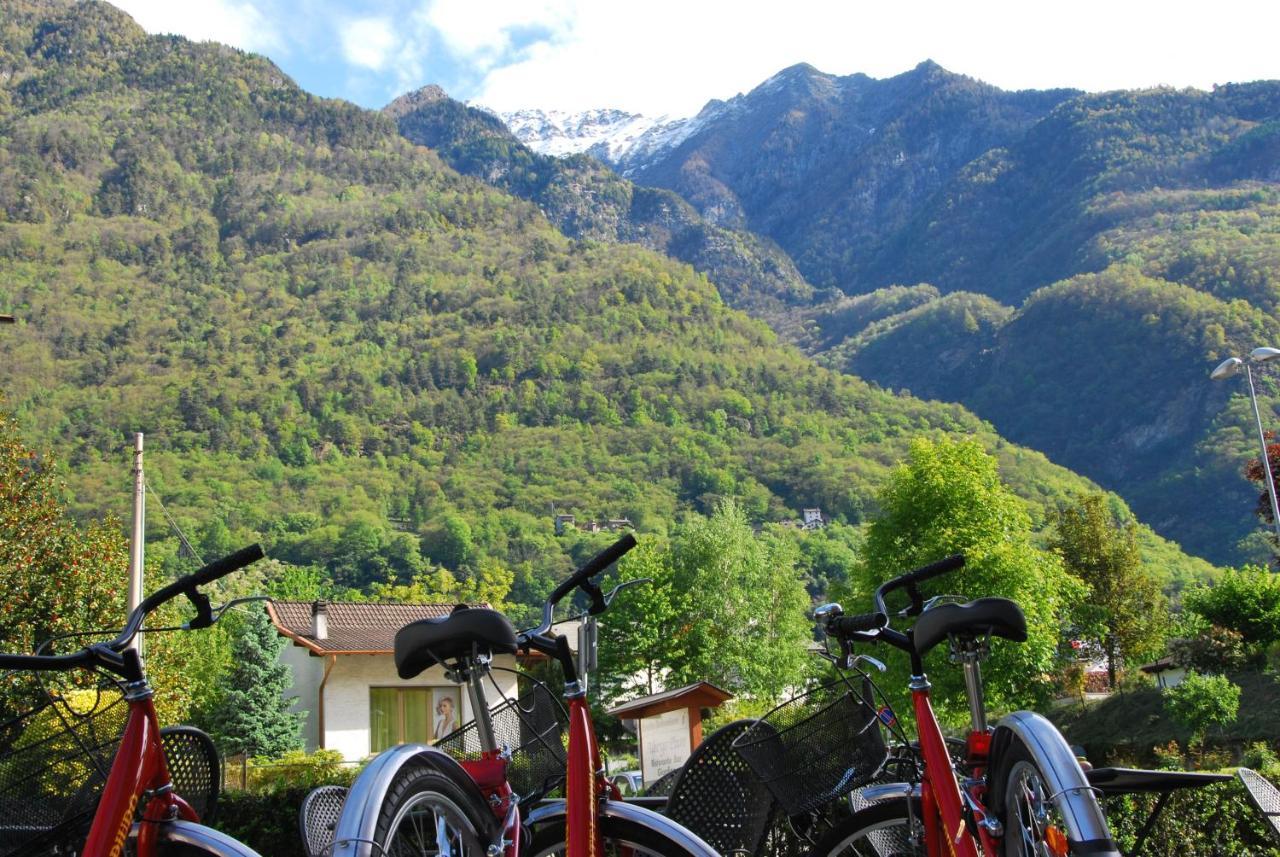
419	798
890	828
618	834
1025	807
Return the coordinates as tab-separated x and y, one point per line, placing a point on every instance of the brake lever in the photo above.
216	614
204	611
613	593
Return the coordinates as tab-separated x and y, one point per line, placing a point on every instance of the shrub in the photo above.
1213	650
1202	701
297	769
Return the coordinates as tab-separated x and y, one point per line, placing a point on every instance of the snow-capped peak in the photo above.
620	139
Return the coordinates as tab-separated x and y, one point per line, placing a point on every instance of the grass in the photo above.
1125	727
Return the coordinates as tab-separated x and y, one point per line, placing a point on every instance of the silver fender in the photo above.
553	811
204	838
353	834
1064	777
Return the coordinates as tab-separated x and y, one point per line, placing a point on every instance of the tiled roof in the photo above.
365	629
701	693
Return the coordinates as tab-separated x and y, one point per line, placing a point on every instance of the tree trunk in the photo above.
1111	663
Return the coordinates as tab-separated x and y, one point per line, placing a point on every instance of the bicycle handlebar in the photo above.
843	626
92	655
875	626
593	566
919	575
581	577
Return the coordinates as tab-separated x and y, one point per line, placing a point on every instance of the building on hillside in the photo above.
1165	672
813	519
564	523
345	677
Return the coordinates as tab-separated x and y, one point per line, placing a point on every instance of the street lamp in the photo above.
1230	367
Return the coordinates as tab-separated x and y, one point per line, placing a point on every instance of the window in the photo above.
411	715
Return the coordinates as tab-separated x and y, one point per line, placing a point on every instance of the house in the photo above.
346	681
812	519
1165	672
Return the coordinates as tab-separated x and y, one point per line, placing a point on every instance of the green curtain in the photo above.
384	718
417	715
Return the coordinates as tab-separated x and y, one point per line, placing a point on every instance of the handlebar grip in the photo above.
935	569
222	567
207	574
846	626
594	566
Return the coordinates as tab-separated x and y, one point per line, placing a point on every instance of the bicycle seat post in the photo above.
970	652
471	671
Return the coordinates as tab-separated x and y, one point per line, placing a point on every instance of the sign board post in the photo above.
669	725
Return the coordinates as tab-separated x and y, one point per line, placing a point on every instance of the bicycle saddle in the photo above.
427	642
998	617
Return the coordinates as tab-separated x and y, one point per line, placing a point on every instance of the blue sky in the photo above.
671	56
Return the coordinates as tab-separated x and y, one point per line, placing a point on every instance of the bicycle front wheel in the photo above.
890	828
621	837
425	813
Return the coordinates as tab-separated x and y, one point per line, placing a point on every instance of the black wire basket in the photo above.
57	743
533	728
816	747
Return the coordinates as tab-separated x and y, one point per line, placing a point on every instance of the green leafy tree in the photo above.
639	636
55	575
1124	612
252	716
742	605
1211	649
1200	702
948	498
1246	601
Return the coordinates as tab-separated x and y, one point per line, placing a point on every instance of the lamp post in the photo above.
1226	369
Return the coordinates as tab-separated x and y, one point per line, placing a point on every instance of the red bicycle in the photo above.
419	800
87	756
1018	791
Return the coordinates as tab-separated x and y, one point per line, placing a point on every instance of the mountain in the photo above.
341	346
831	168
587	200
613	137
1047	234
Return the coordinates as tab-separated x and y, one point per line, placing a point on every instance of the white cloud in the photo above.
234	22
481	31
368	42
673	55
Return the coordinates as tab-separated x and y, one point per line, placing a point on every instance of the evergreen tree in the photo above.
1124	612
254	718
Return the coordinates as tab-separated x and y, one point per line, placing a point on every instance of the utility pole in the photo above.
139	536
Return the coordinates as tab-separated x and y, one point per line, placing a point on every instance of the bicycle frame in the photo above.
941	801
139	769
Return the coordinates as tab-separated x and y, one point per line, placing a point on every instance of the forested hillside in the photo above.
336	343
585	199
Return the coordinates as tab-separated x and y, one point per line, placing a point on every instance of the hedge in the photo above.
1214	821
267	822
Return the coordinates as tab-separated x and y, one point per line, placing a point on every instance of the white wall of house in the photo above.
346	694
307	672
1171	677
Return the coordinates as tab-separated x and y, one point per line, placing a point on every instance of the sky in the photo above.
672	56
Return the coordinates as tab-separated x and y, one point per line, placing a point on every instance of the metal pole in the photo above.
1266	459
139	536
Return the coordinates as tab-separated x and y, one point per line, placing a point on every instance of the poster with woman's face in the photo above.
446	712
